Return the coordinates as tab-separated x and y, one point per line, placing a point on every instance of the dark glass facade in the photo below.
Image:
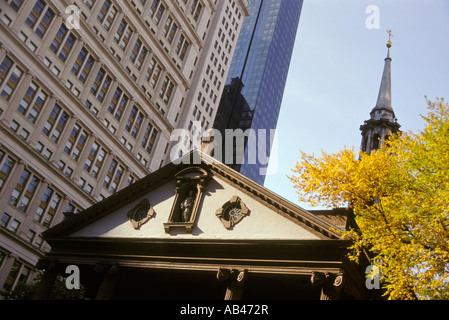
261	60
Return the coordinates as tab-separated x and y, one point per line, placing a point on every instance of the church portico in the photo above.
202	231
216	270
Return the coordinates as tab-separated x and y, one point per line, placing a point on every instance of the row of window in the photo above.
30	107
24	191
19	273
42	15
39	20
156	10
15	4
13	225
35	98
10	75
63	43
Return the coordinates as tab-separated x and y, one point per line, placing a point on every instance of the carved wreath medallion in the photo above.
141	213
232	212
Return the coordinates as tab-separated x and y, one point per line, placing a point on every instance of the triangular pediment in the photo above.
224	205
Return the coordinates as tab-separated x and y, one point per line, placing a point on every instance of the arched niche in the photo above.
190	184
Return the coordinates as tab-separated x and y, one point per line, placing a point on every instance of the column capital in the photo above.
236	280
331	284
4	47
30	74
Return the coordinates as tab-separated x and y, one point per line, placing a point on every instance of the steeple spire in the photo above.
383	120
384	98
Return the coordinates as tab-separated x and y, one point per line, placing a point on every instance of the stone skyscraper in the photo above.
90	94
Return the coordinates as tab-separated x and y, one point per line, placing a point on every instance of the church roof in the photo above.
321	228
384	97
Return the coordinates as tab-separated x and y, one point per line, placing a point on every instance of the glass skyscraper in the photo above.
261	62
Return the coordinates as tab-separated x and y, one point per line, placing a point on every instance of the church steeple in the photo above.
384	98
383	121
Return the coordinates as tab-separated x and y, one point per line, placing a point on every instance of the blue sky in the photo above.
336	69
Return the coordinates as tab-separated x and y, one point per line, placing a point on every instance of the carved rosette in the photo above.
232	212
141	213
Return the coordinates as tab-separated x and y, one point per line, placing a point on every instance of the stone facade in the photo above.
242	242
91	92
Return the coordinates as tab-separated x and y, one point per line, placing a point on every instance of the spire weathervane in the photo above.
389	43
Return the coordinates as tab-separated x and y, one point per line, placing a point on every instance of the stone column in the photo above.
71	59
3	52
114	26
141	77
107	286
236	280
59	215
17	97
108	99
102	174
83	156
142	131
124	119
7	264
34	204
124	180
22	15
42	119
11	183
129	48
331	284
48	279
50	35
64	138
174	43
369	142
90	80
159	83
94	13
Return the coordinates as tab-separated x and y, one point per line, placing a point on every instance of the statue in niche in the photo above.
187	205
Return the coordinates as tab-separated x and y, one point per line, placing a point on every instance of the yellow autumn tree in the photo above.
400	198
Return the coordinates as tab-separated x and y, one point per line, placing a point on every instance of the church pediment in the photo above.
198	201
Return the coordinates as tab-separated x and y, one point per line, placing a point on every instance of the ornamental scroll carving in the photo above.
330	284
